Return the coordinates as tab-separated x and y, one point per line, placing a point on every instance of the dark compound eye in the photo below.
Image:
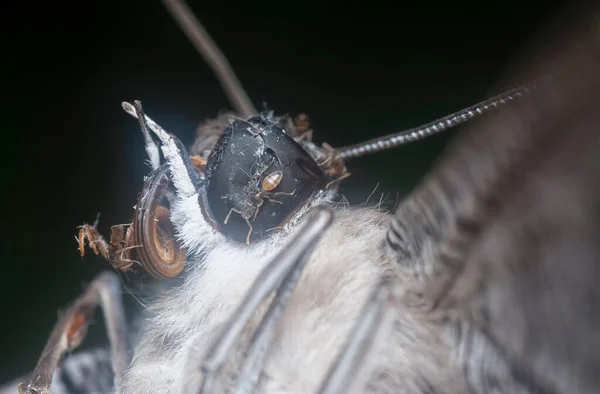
257	176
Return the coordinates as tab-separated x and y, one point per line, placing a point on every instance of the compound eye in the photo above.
271	181
252	157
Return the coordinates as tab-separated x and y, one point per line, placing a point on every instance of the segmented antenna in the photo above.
242	104
205	45
428	129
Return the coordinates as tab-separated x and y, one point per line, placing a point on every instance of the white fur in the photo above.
343	270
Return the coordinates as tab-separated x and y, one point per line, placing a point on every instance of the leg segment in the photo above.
246	219
229	215
71	329
281	275
249	231
258	349
117	252
347	374
341	178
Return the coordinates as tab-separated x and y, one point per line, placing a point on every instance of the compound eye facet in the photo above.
256	162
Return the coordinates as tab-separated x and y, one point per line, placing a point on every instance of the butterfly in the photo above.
481	280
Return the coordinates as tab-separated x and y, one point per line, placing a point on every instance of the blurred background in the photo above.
359	69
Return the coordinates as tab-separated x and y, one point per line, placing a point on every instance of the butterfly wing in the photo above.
503	235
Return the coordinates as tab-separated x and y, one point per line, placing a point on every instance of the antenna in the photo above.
205	45
202	41
428	129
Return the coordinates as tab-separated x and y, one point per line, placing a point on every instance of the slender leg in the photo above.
128	243
282	194
212	55
348	372
324	162
122	246
259	345
281	274
306	136
260	204
246	219
270	200
249	231
71	329
271	194
267	196
228	215
346	175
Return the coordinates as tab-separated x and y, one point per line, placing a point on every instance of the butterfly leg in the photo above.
347	374
280	275
71	329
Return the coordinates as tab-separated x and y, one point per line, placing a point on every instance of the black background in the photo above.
358	69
